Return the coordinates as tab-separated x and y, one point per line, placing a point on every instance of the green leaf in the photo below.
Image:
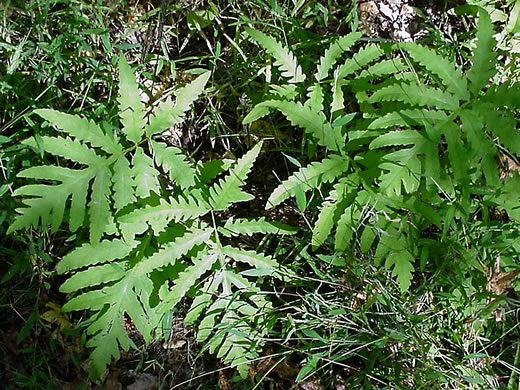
69	149
402	137
401	261
252	258
81	129
360	59
439	65
51	200
308	178
484	57
416	95
228	190
168	114
326	218
131	109
284	58
99	209
88	254
123	183
251	226
145	174
174	162
407	118
173	251
312	122
92	277
187	279
158	217
334	52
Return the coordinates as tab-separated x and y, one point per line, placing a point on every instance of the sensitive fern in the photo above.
155	233
430	135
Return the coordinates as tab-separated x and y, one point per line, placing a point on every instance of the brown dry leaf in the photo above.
500	282
311	385
368	12
508	167
144	382
56	316
223	383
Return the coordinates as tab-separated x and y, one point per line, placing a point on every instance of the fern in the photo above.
284	58
145	202
430	130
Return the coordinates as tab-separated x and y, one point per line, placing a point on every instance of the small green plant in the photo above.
149	245
421	155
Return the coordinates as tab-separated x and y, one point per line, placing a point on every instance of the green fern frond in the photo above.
407	118
314	98
416	95
145	174
131	109
308	178
168	114
81	129
249	227
88	254
124	184
174	162
228	190
313	123
323	226
441	66
158	217
186	280
363	57
484	57
284	58
333	53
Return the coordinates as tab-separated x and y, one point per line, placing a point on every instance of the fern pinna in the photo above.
427	141
150	247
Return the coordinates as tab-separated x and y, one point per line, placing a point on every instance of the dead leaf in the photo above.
143	382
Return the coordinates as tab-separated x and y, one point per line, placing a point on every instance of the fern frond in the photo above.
257	112
168	113
50	200
407	118
308	178
158	217
415	95
70	149
334	51
101	220
129	295
315	98
249	227
363	57
174	162
261	262
94	276
441	66
484	57
325	222
228	190
383	68
284	58
338	102
145	174
173	251
81	129
124	184
88	254
131	109
312	122
186	280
